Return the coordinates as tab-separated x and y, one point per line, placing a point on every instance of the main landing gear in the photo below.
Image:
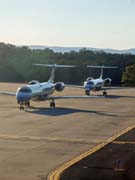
52	103
104	93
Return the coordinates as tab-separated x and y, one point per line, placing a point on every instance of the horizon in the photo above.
60	46
61	23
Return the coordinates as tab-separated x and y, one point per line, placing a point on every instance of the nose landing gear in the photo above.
87	92
52	103
21	106
27	104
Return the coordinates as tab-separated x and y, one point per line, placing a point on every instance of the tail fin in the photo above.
102	69
54	66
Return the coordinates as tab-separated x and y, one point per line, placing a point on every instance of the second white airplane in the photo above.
98	84
37	91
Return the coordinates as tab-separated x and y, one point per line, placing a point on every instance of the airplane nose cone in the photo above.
89	87
23	96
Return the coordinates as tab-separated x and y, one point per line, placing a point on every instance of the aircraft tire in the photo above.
87	93
53	104
104	93
21	108
28	104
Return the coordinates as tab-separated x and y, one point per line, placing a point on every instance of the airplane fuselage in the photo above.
94	84
36	92
42	90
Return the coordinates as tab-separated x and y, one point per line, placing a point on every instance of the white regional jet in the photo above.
42	91
99	84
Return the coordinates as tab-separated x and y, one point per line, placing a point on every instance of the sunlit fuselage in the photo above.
36	92
93	85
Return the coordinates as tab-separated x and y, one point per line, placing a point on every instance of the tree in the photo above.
16	64
128	77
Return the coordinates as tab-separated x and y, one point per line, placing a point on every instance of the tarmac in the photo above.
36	142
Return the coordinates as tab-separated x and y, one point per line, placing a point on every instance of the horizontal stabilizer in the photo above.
103	67
54	65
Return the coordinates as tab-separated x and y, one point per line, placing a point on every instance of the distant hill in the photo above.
68	49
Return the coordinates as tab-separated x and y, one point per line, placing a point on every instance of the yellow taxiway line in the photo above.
55	175
123	142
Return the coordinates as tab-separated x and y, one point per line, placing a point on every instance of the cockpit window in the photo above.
90	83
25	90
32	83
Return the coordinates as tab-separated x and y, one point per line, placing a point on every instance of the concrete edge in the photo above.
55	175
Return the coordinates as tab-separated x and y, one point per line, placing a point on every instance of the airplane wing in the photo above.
103	88
113	88
8	93
72	97
74	86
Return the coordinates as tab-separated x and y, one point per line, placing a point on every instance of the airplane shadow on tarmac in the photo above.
64	111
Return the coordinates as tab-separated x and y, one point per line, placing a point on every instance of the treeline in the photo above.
128	77
16	64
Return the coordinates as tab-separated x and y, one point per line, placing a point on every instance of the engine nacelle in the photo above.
33	82
107	82
59	86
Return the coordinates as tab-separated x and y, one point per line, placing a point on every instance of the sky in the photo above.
69	23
